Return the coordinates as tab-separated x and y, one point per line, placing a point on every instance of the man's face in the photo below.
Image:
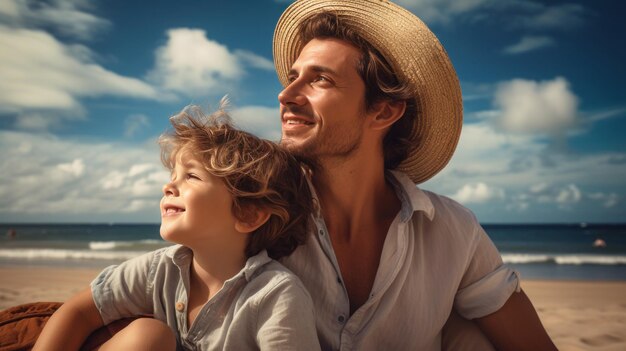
323	107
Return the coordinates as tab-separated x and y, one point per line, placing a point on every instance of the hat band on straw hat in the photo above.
417	57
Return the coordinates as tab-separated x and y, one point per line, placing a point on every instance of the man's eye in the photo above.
291	79
321	79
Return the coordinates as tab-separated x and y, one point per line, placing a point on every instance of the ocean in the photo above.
541	251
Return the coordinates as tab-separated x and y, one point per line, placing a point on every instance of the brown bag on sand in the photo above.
21	325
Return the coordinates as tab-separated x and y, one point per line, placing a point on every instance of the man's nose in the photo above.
292	94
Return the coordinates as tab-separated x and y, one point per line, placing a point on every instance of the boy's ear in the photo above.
251	219
387	113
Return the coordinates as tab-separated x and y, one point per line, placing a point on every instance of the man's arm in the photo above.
516	326
70	325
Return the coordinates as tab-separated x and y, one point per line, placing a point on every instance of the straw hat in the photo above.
416	56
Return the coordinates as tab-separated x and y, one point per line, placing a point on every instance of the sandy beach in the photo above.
578	315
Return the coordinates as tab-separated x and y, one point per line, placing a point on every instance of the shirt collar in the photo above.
412	198
254	263
182	255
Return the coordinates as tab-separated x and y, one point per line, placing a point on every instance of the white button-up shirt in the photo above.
435	257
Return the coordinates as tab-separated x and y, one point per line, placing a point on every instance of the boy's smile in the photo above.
170	210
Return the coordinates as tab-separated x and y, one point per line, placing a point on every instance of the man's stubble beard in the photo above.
335	146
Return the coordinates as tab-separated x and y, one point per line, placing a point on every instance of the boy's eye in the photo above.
291	79
191	176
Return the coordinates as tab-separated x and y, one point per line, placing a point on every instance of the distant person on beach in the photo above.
11	234
234	204
371	97
599	242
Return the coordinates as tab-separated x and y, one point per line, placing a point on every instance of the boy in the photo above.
234	203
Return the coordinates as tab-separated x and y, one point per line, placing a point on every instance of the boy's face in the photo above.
196	205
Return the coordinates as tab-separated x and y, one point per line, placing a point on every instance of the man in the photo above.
372	100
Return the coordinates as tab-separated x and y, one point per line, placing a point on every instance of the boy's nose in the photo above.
170	189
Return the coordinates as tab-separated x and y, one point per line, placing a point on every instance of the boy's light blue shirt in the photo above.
264	306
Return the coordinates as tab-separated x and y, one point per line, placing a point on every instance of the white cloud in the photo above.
9	9
38	121
608	200
78	179
39	73
524	14
485	150
76	167
254	60
536	107
569	195
566	196
555	17
68	17
194	65
602	115
135	123
113	180
529	43
477	193
259	120
538	188
191	64
139	169
526	172
441	11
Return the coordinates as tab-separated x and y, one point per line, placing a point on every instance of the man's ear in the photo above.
251	219
386	113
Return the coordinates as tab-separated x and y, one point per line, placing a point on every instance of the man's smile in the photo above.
292	122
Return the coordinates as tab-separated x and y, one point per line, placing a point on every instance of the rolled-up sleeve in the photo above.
122	291
487	283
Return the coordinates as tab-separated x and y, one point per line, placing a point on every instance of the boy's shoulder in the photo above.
274	272
273	278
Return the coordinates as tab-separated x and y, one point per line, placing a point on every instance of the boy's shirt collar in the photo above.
182	256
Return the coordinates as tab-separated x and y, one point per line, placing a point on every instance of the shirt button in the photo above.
338	280
321	232
180	306
341	319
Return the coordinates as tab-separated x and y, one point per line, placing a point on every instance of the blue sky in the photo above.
86	87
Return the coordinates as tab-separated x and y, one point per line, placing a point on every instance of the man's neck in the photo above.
358	207
354	194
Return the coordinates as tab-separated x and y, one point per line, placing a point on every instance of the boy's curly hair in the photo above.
258	174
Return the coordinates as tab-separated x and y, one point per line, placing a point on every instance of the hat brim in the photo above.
417	57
